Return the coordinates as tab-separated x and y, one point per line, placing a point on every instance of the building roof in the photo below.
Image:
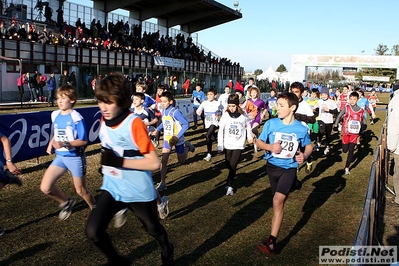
191	15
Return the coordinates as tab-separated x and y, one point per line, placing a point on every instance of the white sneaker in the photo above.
161	186
163	208
120	218
318	145
326	150
347	171
230	191
339	127
66	209
208	157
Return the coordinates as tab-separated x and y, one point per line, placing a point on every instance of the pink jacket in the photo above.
21	80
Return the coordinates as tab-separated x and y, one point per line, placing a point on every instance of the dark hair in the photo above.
291	98
198	84
168	94
140	95
114	88
315	90
297	85
161	87
212	90
354	94
234	97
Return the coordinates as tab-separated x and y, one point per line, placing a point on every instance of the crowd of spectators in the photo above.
119	37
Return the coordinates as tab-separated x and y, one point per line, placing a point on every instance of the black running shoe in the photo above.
11	178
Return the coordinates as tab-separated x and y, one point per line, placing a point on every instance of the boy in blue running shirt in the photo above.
149	102
68	143
197	98
174	125
281	139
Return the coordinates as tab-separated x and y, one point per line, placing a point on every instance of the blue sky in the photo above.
270	31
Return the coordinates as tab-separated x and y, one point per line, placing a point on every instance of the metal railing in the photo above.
77	56
372	211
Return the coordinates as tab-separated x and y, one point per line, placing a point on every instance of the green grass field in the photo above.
206	227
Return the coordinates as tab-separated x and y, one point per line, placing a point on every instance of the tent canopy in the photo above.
269	74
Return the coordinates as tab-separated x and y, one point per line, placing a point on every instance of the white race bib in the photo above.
210	119
289	145
112	171
354	126
64	135
234	133
168	127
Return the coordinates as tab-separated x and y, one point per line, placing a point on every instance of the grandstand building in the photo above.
67	49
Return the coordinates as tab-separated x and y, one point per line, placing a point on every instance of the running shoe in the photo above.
120	218
326	150
190	146
347	171
309	167
230	191
66	209
208	157
161	186
267	247
10	178
317	147
163	208
169	261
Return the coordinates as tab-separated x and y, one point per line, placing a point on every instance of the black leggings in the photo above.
232	157
21	93
325	129
210	136
195	116
103	212
348	148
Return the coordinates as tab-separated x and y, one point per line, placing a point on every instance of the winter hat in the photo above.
324	90
239	88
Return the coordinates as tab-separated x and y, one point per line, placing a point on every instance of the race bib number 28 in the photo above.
289	145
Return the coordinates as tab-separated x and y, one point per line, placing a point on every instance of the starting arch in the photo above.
301	62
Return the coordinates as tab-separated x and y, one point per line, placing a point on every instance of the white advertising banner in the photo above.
299	62
169	62
375	78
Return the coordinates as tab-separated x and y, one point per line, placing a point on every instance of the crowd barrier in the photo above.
30	132
372	210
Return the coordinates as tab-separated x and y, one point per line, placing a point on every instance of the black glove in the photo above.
109	158
335	128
